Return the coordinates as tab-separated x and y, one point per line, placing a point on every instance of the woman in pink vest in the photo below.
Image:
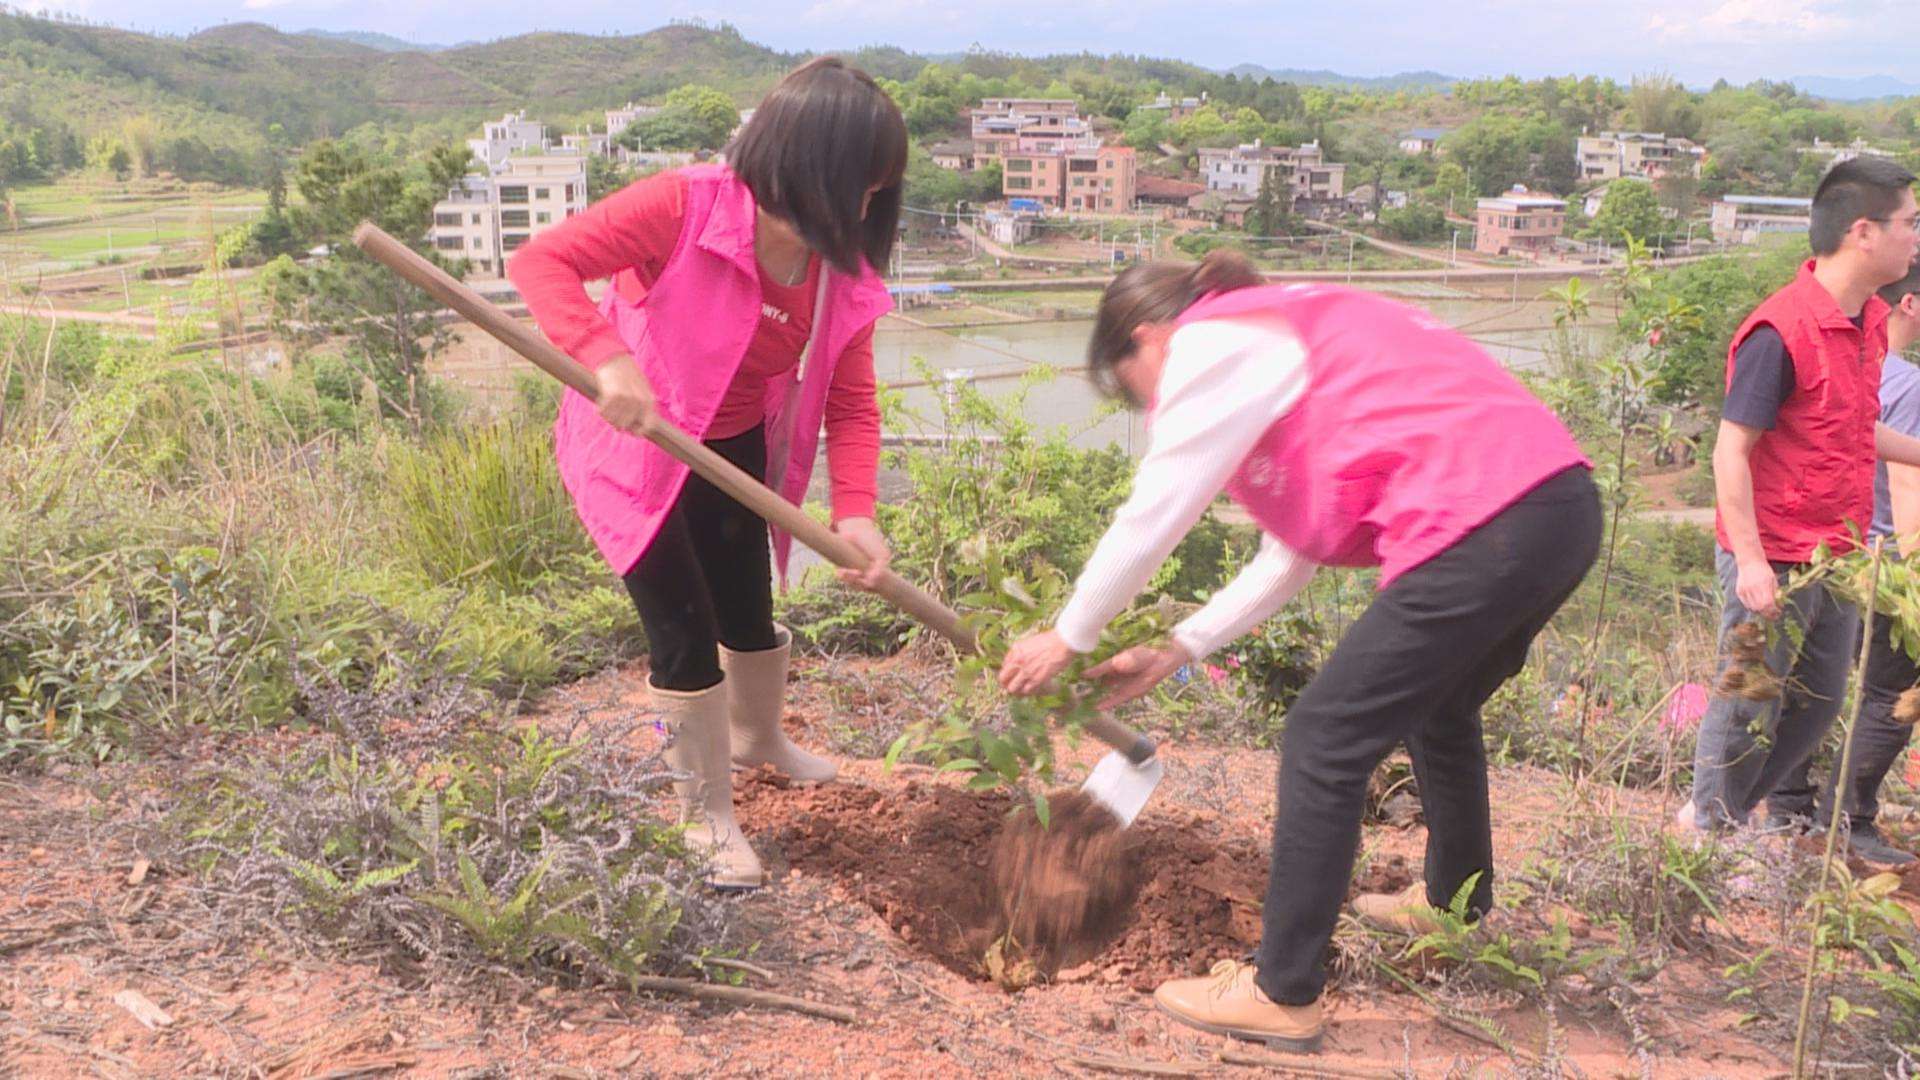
742	309
1356	431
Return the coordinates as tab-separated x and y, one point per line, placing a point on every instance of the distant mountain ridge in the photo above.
1863	88
374	40
1406	80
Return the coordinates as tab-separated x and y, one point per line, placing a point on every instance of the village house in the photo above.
502	138
1361	200
1519	222
1742	219
1611	155
618	121
622	118
1177	109
1837	154
1003	125
1009	226
588	143
1241	170
1086	177
1422	140
955	154
1160	192
1225	208
1049	154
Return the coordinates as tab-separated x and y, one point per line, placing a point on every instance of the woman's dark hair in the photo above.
815	145
1156	292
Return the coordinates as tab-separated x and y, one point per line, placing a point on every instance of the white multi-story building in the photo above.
505	137
1611	155
466	224
486	217
1028	125
1303	169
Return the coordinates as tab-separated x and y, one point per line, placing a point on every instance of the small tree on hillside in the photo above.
1272	213
1630	211
691	118
390	327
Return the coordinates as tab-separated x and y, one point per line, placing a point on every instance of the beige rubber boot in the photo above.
757	695
698	723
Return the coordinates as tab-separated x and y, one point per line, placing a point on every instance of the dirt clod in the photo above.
1747	675
1066	887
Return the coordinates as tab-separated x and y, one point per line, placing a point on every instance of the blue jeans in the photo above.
1733	768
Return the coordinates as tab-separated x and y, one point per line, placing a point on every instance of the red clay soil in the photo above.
919	855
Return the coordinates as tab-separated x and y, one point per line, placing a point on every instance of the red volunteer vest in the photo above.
1813	472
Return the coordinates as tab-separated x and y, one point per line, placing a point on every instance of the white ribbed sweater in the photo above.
1223	385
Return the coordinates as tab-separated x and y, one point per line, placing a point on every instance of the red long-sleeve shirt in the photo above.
629	236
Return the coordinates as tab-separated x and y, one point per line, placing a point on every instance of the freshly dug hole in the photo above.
1063	888
919	855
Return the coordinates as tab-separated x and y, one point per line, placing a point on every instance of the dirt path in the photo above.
868	908
1468	261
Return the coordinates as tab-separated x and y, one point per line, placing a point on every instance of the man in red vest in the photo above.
1793	469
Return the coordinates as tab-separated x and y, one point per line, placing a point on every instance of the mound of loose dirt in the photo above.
920	855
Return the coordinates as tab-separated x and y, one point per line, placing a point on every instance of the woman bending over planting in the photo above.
741	308
1356	431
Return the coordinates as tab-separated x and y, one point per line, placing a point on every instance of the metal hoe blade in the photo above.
1123	787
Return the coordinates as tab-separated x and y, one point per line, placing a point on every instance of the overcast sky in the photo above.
1697	40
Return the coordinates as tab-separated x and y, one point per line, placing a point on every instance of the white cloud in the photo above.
982	18
1760	22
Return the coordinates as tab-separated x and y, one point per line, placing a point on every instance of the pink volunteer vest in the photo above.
1407	438
689	334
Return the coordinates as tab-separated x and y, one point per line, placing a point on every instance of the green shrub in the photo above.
483	503
509	848
186	548
1029	496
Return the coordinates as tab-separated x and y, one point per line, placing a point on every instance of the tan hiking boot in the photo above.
1227	1002
756	697
1405	912
698	723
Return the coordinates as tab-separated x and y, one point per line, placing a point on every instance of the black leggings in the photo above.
1415	668
707	578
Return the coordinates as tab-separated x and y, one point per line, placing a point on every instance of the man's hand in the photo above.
1758	588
